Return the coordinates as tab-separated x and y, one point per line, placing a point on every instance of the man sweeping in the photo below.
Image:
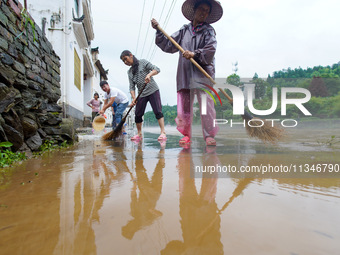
198	39
114	95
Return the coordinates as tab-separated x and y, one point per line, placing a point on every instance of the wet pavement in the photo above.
127	197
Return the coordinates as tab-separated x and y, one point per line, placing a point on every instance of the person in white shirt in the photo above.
114	95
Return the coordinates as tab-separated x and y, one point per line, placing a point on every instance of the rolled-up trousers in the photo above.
185	100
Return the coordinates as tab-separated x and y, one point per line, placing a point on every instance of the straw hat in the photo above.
215	14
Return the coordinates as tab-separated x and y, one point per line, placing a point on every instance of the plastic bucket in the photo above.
98	123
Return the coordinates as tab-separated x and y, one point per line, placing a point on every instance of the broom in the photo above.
243	183
118	130
260	129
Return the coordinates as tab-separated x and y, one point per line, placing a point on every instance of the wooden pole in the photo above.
195	63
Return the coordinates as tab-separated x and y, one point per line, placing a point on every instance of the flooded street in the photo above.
124	197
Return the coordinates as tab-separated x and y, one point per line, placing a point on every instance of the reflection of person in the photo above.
200	221
114	109
114	95
120	159
199	42
143	206
141	72
95	103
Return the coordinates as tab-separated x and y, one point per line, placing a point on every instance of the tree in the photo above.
318	88
260	87
234	79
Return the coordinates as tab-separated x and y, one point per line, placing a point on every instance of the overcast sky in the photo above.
263	36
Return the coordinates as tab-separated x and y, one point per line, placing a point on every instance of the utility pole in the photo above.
235	67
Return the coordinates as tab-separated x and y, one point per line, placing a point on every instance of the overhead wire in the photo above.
147	31
166	21
140	27
169	14
152	44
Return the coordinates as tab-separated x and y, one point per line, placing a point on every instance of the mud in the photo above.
141	198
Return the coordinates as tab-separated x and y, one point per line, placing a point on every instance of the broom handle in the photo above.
141	91
195	63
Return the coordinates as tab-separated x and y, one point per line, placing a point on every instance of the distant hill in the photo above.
322	81
317	71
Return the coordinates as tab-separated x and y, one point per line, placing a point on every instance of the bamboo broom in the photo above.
118	130
260	129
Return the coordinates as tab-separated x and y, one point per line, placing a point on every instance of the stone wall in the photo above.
29	82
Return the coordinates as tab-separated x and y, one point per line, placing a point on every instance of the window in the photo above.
77	72
76	4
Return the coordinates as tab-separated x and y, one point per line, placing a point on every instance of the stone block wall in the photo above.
29	82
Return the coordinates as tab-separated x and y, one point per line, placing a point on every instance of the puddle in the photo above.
140	198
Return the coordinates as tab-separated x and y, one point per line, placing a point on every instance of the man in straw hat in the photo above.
198	39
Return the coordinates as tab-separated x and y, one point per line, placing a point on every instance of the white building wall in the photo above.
59	31
88	95
96	88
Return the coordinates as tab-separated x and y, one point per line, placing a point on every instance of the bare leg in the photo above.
161	125
139	128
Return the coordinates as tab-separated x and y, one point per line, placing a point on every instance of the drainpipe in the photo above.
65	64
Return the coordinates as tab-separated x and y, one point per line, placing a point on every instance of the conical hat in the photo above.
215	14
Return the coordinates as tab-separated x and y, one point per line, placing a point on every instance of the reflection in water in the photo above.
143	205
200	215
82	195
126	198
197	211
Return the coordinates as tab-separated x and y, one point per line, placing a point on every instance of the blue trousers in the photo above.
119	112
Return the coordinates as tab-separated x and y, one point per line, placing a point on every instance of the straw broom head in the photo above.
114	133
266	132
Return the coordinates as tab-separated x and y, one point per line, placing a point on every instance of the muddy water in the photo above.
140	198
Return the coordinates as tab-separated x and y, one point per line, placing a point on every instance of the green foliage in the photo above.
26	19
234	79
6	144
326	72
324	89
336	107
7	157
298	77
50	145
329	141
169	112
260	87
320	107
318	88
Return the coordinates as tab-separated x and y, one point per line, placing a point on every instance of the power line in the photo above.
140	27
170	13
167	16
160	17
152	44
147	31
166	21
